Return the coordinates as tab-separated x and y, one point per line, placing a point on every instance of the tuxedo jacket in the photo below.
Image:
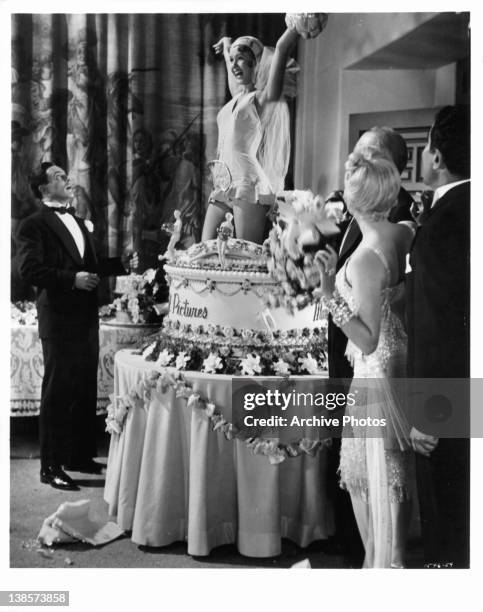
339	366
438	290
49	260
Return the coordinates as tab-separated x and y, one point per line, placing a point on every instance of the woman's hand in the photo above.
307	25
222	45
326	262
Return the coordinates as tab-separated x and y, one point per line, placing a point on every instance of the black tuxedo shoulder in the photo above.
457	200
32	219
451	214
36	219
402	210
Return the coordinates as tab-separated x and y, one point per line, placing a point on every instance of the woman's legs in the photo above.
215	215
250	220
400	519
362	514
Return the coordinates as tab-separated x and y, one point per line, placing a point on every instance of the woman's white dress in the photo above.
376	463
255	149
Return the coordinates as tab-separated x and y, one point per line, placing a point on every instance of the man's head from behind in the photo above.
447	155
384	142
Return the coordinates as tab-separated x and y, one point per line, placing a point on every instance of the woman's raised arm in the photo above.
274	88
223	46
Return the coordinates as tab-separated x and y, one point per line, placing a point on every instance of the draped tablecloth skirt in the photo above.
170	477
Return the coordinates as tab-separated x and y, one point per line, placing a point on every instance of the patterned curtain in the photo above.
127	104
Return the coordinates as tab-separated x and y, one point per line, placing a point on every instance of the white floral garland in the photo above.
23	313
161	380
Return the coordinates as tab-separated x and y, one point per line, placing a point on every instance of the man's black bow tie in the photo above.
62	209
427	198
426	203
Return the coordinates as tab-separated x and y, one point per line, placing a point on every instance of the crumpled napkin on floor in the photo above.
304	564
73	521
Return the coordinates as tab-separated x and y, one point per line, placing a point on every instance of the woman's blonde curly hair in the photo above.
372	184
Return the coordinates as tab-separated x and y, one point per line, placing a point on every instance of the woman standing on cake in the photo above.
254	127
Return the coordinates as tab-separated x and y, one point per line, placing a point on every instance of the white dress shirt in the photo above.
71	224
440	191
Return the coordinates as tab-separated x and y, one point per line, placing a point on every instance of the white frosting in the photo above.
204	295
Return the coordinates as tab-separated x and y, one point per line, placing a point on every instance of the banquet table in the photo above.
170	477
27	366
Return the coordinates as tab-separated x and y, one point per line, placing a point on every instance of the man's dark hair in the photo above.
450	134
41	178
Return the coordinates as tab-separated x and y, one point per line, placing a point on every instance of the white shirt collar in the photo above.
51	204
443	189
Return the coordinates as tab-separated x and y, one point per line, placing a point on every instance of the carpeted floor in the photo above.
31	502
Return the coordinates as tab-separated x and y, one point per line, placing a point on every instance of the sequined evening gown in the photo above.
377	468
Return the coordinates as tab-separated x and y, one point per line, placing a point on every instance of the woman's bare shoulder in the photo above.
367	264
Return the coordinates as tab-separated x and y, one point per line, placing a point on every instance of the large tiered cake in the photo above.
225	316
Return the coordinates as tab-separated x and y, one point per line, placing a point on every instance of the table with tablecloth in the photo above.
170	477
27	365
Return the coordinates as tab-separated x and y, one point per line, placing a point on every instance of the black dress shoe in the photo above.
88	466
56	477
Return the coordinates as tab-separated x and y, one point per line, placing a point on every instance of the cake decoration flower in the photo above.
246	286
212	363
281	368
182	360
165	358
210	409
309	364
250	365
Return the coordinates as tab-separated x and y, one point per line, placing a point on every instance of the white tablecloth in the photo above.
171	478
27	364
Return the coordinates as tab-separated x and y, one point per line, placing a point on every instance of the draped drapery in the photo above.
127	104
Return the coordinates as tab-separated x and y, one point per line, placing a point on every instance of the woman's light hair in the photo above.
372	184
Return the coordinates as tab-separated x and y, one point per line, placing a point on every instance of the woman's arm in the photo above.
367	278
274	88
223	46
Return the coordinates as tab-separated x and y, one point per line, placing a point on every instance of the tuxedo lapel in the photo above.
352	236
56	225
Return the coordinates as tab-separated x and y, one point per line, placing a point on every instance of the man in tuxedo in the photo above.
438	309
56	254
390	144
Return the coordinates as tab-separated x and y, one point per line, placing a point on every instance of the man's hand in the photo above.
423	443
87	281
130	261
420	208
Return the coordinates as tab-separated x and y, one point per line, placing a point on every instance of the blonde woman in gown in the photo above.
366	300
